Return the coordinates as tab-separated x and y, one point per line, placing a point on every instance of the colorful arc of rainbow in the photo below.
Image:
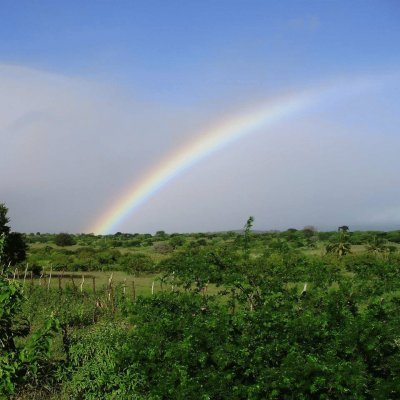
207	143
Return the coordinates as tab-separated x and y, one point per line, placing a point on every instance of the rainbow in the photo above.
214	139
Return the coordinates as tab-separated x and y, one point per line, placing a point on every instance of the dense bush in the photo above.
94	370
64	239
27	362
162	247
13	244
185	346
137	263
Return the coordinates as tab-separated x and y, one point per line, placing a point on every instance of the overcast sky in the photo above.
93	94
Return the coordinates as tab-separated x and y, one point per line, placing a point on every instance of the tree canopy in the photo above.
14	245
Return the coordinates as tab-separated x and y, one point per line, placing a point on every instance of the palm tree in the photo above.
340	245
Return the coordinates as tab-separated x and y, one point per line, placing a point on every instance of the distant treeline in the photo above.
146	239
137	253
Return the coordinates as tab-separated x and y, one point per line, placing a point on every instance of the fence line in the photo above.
113	289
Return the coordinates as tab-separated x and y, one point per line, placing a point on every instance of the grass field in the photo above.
143	285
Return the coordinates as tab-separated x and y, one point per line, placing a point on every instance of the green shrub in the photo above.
64	239
26	363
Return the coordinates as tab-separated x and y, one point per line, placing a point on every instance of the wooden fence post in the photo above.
113	305
26	271
173	281
60	277
251	301
83	281
111	293
48	282
109	286
304	291
133	290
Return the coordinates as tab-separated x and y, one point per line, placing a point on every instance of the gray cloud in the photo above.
71	146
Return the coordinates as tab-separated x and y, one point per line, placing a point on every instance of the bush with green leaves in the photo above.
183	346
13	244
138	263
285	326
94	370
26	363
340	244
276	323
64	239
24	355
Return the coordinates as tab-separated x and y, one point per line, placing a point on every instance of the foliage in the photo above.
237	315
340	244
26	364
64	239
247	237
138	263
15	248
2	243
185	346
4	220
162	247
94	369
13	244
377	245
177	241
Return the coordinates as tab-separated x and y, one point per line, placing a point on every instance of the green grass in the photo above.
143	283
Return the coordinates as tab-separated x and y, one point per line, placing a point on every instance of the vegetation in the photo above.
26	363
299	314
14	246
64	239
340	244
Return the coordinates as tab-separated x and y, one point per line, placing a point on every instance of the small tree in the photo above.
15	248
176	241
340	244
377	245
64	239
21	362
162	247
13	244
4	220
161	234
309	231
139	262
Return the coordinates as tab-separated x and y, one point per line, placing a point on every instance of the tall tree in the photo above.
4	220
13	245
15	248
